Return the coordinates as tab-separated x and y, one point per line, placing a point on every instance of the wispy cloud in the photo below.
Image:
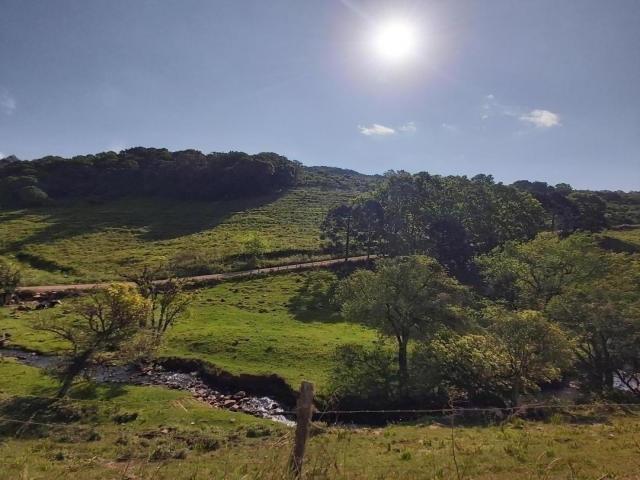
1	155
449	127
409	127
541	118
376	130
537	117
7	102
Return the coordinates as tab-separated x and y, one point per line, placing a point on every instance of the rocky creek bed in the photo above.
157	375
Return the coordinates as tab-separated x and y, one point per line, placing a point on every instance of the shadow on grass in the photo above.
37	417
150	218
315	299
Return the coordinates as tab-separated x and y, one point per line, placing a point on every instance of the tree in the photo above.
10	276
168	300
604	315
368	221
534	350
404	297
254	248
591	211
336	229
530	274
102	323
470	365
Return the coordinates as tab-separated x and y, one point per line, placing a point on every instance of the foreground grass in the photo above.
260	326
83	242
156	445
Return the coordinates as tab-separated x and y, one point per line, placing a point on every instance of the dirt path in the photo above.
201	279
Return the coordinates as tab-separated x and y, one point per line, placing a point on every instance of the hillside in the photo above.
78	240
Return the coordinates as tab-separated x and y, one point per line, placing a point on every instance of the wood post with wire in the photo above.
304	411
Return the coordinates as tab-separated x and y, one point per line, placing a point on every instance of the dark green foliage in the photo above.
591	211
365	376
187	174
450	218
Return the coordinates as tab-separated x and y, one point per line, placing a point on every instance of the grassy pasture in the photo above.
83	242
175	437
262	325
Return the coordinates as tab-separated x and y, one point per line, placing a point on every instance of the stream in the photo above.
240	401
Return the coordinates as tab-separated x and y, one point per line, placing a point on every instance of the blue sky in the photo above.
521	89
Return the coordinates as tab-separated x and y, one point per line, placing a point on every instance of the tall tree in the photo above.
405	297
337	229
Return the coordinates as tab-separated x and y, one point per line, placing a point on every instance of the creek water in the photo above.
259	406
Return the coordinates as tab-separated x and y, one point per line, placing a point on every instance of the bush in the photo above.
365	376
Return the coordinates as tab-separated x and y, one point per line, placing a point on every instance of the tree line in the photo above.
187	174
455	218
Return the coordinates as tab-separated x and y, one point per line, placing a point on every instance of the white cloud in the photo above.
541	118
376	130
7	102
409	127
1	155
449	127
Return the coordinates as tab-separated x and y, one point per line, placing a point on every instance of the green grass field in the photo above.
175	437
251	326
84	242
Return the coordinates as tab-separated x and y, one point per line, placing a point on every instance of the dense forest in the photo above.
187	174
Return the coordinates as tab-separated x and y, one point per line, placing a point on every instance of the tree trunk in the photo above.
75	368
515	394
347	241
403	368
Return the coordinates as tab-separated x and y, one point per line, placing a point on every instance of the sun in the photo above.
395	41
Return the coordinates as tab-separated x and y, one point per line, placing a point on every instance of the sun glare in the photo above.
395	41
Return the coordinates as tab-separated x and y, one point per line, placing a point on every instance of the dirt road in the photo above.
200	279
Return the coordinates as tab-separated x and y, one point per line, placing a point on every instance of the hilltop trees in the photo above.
404	298
187	174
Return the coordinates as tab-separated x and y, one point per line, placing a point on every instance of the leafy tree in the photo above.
102	323
533	349
337	229
368	221
591	211
604	315
471	365
10	276
168	300
404	297
530	274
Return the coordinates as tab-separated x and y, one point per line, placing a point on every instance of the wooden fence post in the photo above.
304	412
